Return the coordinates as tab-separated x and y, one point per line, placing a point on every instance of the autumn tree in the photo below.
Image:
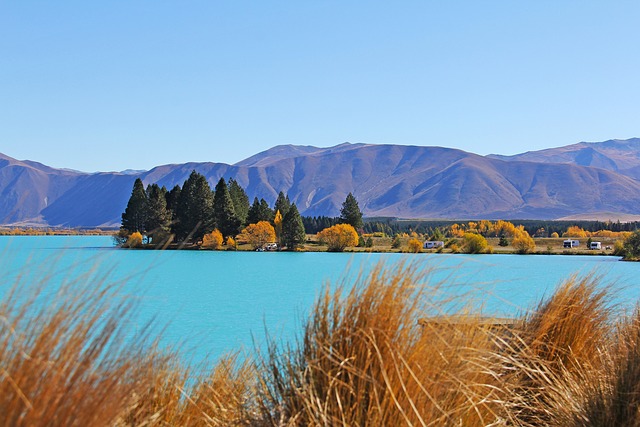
134	217
522	242
502	228
575	231
473	243
293	234
223	211
158	217
282	204
195	208
259	211
259	234
350	212
338	237
240	201
277	223
212	240
414	246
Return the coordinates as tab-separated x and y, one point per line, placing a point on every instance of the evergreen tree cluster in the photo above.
194	210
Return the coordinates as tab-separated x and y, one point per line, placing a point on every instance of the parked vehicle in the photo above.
433	244
595	246
571	243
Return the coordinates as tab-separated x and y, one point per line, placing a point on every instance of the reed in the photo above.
365	360
383	351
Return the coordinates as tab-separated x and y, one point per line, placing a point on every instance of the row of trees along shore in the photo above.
194	213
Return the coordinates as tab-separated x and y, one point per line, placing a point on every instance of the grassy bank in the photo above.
380	353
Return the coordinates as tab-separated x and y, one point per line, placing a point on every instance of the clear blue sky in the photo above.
113	85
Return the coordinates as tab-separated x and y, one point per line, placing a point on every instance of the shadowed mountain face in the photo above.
387	180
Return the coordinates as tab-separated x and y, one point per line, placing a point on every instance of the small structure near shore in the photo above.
433	244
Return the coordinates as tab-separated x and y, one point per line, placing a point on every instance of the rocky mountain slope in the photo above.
387	180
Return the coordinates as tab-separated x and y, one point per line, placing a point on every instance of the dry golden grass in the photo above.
366	361
380	352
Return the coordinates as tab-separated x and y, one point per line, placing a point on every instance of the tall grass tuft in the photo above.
556	355
62	357
365	360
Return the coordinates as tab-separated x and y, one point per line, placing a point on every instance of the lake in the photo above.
214	302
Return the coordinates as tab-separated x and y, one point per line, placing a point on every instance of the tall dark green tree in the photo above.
134	217
259	211
172	201
282	204
195	209
293	234
350	212
223	212
158	217
240	201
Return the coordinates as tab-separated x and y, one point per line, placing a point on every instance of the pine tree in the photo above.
293	234
172	201
134	217
195	208
282	204
259	211
223	212
240	201
350	212
158	217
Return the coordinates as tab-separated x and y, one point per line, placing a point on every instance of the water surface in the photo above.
214	302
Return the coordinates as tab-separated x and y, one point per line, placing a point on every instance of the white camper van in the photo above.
571	243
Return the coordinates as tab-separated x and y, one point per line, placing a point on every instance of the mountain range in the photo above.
594	179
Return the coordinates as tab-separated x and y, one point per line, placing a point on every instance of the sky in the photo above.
104	86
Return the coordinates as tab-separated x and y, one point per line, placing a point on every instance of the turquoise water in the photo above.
214	302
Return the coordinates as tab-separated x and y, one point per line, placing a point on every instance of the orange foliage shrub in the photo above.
134	241
338	237
212	240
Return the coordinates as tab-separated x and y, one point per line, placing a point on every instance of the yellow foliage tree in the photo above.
338	237
555	235
212	240
456	230
503	228
484	227
231	243
258	234
414	246
474	243
575	231
522	242
277	222
134	241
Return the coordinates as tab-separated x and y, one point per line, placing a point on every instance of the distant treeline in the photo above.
539	228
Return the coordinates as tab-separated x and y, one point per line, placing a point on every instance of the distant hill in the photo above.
387	180
622	156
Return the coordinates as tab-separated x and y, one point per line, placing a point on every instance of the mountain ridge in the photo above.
388	180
